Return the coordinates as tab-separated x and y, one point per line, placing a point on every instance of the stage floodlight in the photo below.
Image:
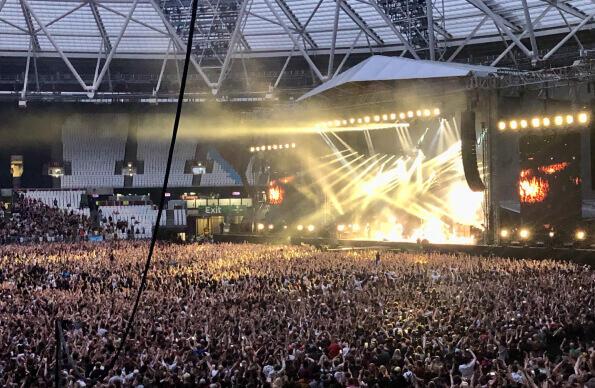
376	118
300	227
344	122
352	120
252	149
257	149
355	227
513	124
410	114
583	117
558	120
292	145
402	115
535	122
367	119
271	226
580	235
337	123
274	146
502	125
436	111
504	233
260	226
524	234
329	123
385	117
427	112
340	227
545	122
523	123
269	147
569	119
262	148
418	113
393	116
311	228
286	145
359	120
551	234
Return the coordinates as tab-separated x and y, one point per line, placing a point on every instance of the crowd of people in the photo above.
30	220
292	316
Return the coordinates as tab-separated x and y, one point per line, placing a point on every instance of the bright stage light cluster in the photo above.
272	147
581	118
380	118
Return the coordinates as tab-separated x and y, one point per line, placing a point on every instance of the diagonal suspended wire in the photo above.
163	190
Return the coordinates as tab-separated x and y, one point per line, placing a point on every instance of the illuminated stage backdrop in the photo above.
549	181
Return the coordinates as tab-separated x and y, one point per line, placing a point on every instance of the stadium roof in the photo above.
228	29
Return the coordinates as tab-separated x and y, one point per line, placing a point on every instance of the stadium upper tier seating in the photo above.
93	144
153	146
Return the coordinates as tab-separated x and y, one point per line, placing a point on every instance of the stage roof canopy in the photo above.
382	68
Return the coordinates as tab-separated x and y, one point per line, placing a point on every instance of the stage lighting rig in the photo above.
272	147
379	118
559	120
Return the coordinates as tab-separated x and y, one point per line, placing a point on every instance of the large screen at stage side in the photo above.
549	183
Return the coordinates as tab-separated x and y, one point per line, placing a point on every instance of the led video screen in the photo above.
549	184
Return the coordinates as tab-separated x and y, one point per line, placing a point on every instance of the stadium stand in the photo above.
93	144
141	218
68	200
153	145
223	173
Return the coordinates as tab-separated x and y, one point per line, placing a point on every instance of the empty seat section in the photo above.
93	144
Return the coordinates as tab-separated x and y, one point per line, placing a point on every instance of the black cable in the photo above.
163	190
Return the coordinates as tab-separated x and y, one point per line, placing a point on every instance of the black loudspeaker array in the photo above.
592	142
469	151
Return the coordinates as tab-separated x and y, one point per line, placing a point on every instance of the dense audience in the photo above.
281	316
30	220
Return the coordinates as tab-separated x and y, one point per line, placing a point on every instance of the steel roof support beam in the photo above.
394	28
431	36
580	45
108	60
562	6
370	33
331	58
2	3
14	25
536	23
24	90
295	42
348	54
502	23
158	10
467	39
218	14
530	30
504	20
158	86
570	35
56	46
237	33
180	44
295	23
81	5
33	37
100	26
